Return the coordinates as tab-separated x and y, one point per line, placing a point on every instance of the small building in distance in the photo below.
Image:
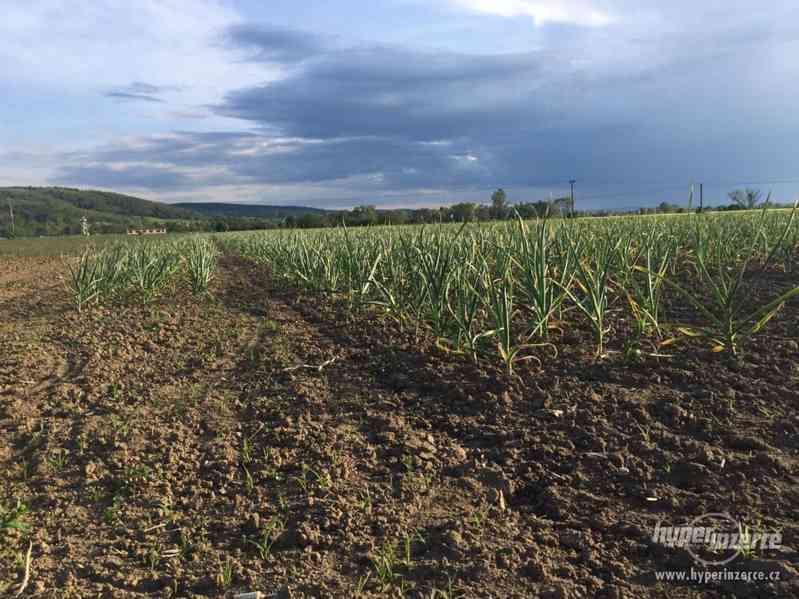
146	231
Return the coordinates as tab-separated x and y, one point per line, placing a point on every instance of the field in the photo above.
67	245
504	410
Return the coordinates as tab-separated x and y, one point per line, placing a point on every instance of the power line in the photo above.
611	194
667	188
664	184
753	182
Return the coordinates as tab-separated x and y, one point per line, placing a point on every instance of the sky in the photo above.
401	102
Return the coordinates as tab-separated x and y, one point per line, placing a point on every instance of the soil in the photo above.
263	439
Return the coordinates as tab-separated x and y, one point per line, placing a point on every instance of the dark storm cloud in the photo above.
261	159
122	177
507	118
390	163
381	91
598	103
274	44
181	148
376	110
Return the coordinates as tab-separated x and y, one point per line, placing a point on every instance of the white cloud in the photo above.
579	12
100	44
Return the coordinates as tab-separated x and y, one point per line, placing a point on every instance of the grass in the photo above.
385	565
268	537
13	518
447	592
224	576
70	245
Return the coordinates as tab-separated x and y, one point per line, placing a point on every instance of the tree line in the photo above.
499	209
740	199
57	211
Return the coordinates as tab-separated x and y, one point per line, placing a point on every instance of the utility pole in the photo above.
571	183
11	216
701	197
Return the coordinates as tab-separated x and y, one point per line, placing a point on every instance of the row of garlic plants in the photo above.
508	290
142	269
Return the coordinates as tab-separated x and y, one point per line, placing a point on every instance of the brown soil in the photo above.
157	447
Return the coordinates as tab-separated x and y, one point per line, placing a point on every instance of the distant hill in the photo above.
58	211
249	210
70	199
